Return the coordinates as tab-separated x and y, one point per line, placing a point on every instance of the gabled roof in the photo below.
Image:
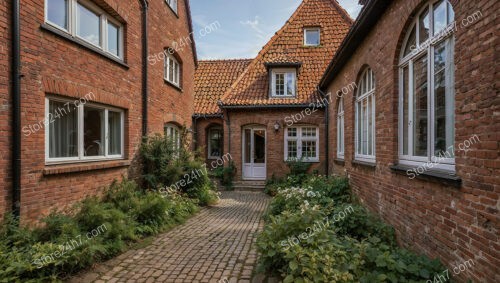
212	79
287	46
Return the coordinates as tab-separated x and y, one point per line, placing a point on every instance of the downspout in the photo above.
195	132
16	109
145	94
228	122
327	131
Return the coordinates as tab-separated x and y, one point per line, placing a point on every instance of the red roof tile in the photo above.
286	46
212	79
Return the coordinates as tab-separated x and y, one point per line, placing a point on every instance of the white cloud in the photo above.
255	25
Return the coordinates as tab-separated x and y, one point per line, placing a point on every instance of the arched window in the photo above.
427	96
215	142
365	117
173	133
340	130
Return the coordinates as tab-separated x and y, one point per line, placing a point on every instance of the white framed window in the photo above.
302	142
77	132
427	93
312	36
215	143
172	70
172	4
283	83
340	130
364	122
173	133
84	20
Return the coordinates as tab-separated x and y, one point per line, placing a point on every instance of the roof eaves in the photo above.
366	20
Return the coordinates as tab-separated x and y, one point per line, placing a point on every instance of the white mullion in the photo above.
104	32
374	135
430	97
122	127
80	122
410	109
72	16
106	133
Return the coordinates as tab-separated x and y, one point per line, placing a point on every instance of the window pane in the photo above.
312	37
292	149
170	70
439	16
309	149
113	39
406	89
115	133
280	84
451	14
358	121
88	25
290	86
248	146
411	43
63	131
292	132
443	103
215	142
369	129
420	112
259	146
57	12
309	132
93	131
424	26
364	140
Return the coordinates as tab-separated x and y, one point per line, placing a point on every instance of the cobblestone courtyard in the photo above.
218	244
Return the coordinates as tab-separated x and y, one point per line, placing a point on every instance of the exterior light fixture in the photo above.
277	126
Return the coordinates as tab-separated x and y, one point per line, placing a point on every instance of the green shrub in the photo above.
225	174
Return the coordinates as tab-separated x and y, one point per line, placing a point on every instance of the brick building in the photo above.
85	75
269	113
418	138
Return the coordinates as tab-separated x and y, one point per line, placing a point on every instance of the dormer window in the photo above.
312	36
283	82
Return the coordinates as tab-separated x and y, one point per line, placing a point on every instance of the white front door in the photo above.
254	153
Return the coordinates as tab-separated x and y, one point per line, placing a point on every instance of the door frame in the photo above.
252	128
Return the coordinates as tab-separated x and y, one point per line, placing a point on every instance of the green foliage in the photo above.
298	170
61	246
178	169
225	174
316	233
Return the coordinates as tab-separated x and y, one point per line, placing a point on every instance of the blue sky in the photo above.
226	29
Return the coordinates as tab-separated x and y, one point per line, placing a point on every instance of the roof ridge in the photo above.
264	49
225	60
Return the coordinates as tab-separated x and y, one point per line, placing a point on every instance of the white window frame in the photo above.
312	29
80	126
210	156
104	19
177	131
299	139
368	79
173	4
177	70
285	72
340	130
425	48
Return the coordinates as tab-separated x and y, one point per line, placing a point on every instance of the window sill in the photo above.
173	85
441	176
82	43
82	167
339	161
372	165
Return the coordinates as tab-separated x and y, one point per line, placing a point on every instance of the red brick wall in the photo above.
453	224
168	103
275	140
5	108
54	65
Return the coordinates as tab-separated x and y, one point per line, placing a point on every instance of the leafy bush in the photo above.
179	169
62	246
226	175
316	233
298	171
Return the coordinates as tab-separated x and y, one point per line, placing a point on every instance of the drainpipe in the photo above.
145	94
16	110
327	131
228	122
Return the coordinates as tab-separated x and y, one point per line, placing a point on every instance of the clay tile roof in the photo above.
212	79
286	46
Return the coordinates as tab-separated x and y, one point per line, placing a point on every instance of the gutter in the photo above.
265	106
16	109
145	93
327	132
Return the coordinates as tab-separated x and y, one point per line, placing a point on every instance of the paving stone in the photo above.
216	244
